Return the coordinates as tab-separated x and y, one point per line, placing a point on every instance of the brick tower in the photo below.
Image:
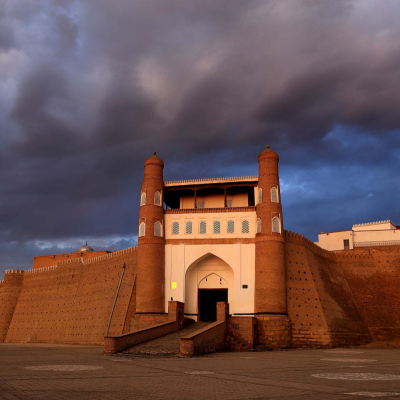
270	279
151	242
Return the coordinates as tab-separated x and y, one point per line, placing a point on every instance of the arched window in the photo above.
203	227
143	199
276	226
189	227
274	195
245	226
259	225
231	226
142	229
157	198
260	195
217	227
157	229
175	228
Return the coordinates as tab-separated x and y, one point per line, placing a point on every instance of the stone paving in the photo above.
39	371
167	345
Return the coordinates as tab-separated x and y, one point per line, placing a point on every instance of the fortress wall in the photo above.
320	304
373	275
309	327
48	261
10	289
72	302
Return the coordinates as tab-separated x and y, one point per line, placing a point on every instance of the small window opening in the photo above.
143	199
142	229
189	227
245	226
175	228
274	195
275	225
217	227
158	229
259	225
200	204
157	198
203	227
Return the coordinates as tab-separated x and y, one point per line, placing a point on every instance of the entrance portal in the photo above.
208	299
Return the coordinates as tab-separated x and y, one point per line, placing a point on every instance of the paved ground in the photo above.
82	372
169	344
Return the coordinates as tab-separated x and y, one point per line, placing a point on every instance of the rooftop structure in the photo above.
369	234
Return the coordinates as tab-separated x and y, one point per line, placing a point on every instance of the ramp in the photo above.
168	344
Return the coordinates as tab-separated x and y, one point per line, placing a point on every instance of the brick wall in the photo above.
241	333
321	305
48	261
373	276
273	332
72	302
10	290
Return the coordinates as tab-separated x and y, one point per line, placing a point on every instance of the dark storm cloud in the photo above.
88	90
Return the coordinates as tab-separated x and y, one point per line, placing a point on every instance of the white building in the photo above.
380	233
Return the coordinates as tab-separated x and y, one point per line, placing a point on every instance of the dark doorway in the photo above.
208	299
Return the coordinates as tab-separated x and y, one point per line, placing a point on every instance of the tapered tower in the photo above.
151	242
270	277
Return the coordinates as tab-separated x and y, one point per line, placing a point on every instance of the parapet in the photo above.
14	271
184	182
44	269
110	255
374	223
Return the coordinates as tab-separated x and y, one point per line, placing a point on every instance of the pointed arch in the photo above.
207	272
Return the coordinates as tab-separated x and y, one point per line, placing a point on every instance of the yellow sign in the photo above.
174	285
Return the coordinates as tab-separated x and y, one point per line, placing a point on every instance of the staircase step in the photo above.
168	345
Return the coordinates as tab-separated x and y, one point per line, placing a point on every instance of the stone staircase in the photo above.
234	343
167	345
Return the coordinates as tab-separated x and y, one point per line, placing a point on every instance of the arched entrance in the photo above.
208	281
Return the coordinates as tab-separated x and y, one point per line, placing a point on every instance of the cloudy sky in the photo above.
90	88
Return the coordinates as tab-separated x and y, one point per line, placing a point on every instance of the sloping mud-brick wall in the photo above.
373	275
321	305
72	302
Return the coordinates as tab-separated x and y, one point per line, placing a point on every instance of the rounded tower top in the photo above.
85	248
268	153
154	160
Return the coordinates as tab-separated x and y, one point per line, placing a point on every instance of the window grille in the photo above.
175	228
231	227
157	229
142	229
229	203
217	227
245	226
203	227
258	225
157	198
346	244
275	225
200	204
260	195
189	227
143	199
274	195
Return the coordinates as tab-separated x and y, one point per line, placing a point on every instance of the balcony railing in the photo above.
252	178
209	210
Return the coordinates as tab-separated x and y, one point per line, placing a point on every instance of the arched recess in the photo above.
207	272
